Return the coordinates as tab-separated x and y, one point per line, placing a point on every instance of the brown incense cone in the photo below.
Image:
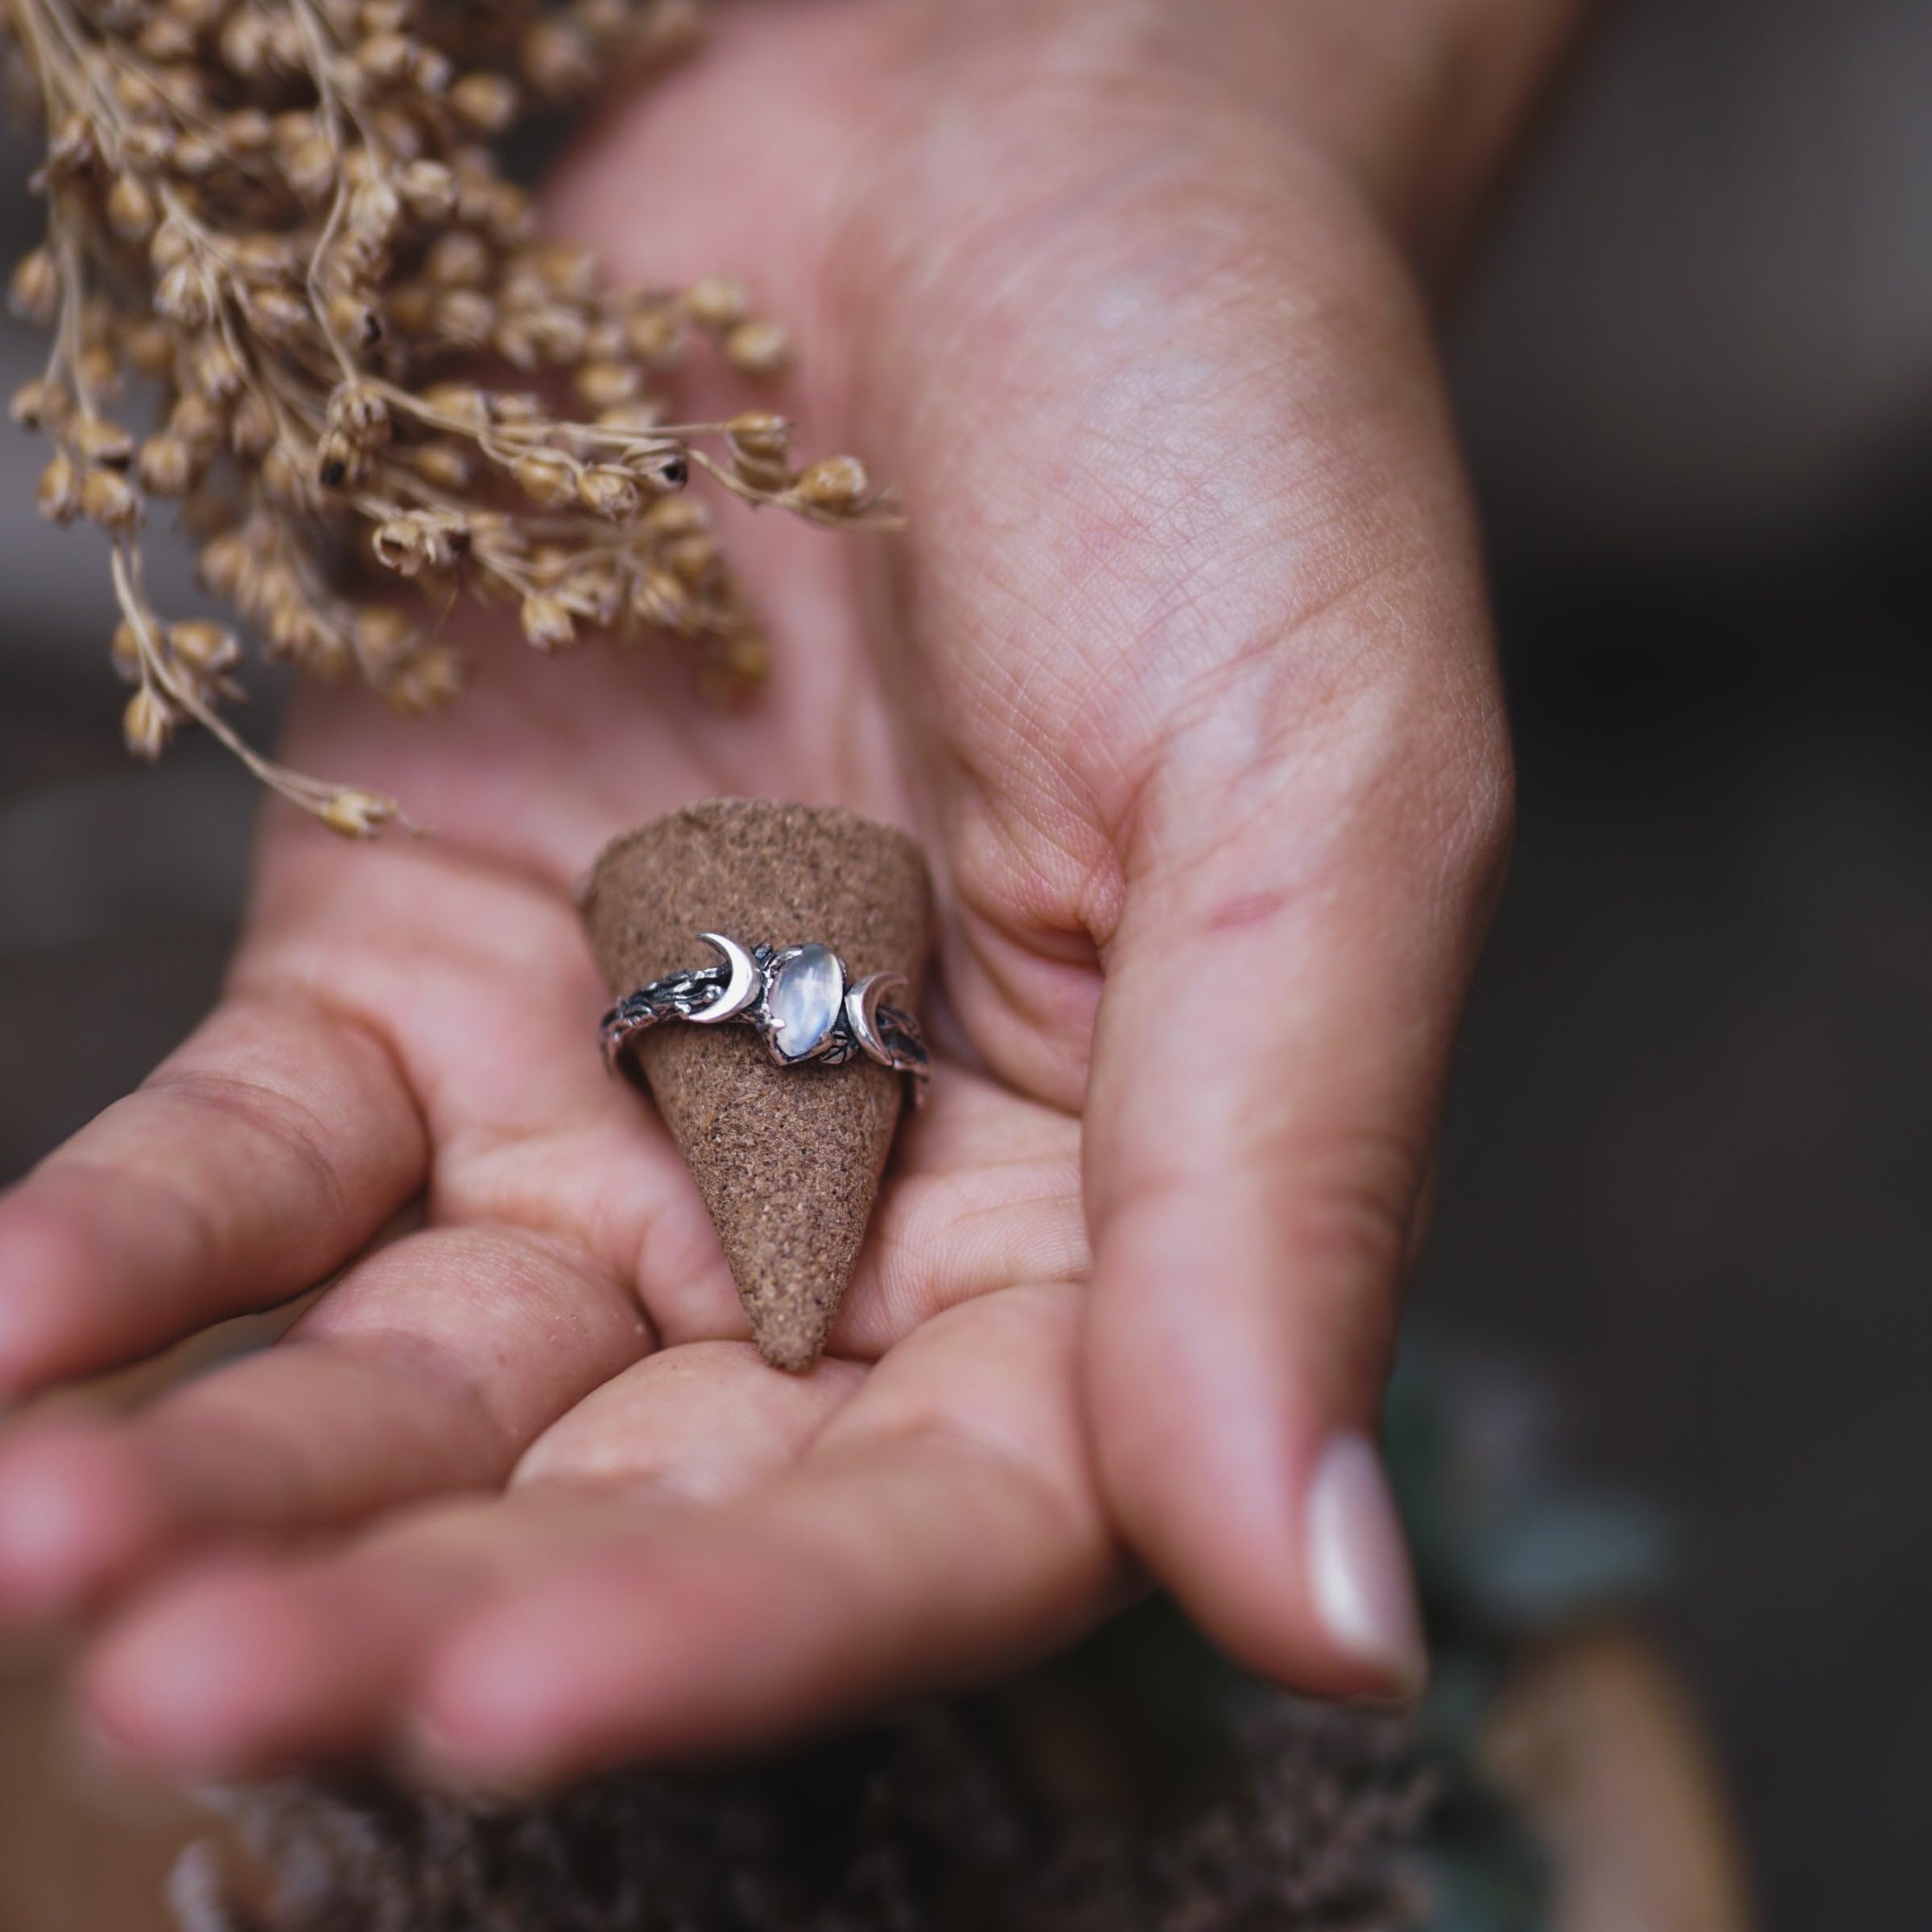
788	1159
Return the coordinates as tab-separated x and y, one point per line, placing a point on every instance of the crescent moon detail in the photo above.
862	1012
740	990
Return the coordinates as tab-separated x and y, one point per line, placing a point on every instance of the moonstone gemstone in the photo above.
804	999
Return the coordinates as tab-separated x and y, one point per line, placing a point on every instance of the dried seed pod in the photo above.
611	494
40	404
358	815
717	303
131	210
98	441
759	349
550	481
148	723
836	487
165	467
126	653
547	623
205	648
109	499
34	292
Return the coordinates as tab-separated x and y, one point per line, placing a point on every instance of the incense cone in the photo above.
787	1158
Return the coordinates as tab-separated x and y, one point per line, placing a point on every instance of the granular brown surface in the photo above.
788	1159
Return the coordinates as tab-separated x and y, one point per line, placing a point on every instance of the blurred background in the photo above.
1689	1137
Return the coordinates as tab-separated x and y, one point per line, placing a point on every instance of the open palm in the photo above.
1182	674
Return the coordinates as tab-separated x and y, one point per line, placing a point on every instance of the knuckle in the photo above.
1352	1204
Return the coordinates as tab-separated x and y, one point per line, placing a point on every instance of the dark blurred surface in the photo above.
1689	1135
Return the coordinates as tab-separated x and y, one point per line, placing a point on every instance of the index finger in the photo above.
256	1159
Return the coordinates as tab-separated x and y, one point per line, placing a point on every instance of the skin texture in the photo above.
1182	673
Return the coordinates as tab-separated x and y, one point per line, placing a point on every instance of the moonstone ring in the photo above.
800	1002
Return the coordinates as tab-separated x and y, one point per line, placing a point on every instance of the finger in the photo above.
944	1524
430	1368
703	1422
260	1156
1271	1044
244	1666
985	1191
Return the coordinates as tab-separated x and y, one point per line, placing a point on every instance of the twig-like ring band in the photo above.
801	1002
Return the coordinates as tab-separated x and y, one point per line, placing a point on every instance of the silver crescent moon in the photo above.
862	1012
743	988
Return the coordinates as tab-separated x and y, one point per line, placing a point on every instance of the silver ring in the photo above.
801	1002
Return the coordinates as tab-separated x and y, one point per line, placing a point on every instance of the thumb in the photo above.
1279	1002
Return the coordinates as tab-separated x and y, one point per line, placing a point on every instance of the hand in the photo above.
1182	673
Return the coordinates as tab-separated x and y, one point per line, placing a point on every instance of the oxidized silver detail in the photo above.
801	1002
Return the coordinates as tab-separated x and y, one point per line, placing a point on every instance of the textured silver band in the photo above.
801	1002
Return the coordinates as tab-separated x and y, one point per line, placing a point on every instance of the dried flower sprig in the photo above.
286	220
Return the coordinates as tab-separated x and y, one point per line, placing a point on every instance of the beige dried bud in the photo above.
428	190
606	385
71	149
218	372
717	303
247	132
673	517
227	566
694	561
360	414
110	500
424	540
446	465
609	493
147	346
758	349
34	295
354	323
41	403
147	724
253	430
126	653
429	681
459	403
278	315
286	481
98	441
464	318
760	444
384	638
131	210
341	463
486	104
186	296
197	155
549	480
98	372
205	648
375	212
165	467
655	335
243	42
661	472
836	487
547	623
358	814
309	168
199	422
660	601
558	59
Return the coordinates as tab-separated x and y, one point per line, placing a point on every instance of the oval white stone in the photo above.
807	991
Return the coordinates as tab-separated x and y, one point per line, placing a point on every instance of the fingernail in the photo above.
1358	1560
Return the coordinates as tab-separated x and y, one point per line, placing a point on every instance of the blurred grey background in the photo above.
1688	1142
